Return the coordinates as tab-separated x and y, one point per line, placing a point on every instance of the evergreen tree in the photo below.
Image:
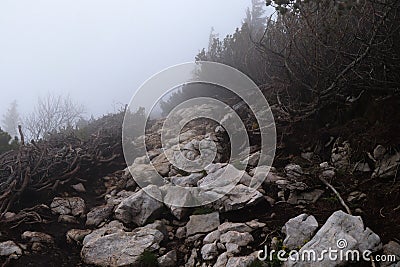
11	119
5	142
255	17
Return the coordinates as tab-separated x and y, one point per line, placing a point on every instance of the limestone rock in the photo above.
98	214
341	231
209	251
240	239
68	206
10	249
202	223
239	197
77	235
293	170
139	207
168	260
37	237
299	230
212	237
112	246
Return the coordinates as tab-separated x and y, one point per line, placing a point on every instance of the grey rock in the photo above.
220	179
243	261
212	237
339	226
252	160
340	156
180	198
379	152
255	224
293	170
299	230
392	248
112	227
202	223
80	188
186	181
140	207
192	259
362	167
148	175
161	164
232	248
98	214
387	167
181	232
112	246
77	235
222	260
10	249
115	200
239	227
37	237
356	196
240	239
168	260
68	206
209	251
239	197
194	238
158	225
307	155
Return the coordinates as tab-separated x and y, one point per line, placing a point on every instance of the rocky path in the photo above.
112	221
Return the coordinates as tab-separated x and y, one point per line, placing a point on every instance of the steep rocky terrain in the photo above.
307	201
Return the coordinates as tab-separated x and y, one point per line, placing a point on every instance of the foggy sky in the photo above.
100	51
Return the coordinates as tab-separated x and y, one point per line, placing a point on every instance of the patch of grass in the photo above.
275	261
332	199
148	259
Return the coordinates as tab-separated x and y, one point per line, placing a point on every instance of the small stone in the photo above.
162	250
307	155
222	260
299	230
209	251
270	200
194	238
202	223
212	237
98	214
68	206
76	235
192	259
37	237
232	248
379	152
181	232
293	170
80	188
37	247
240	239
10	249
392	248
168	260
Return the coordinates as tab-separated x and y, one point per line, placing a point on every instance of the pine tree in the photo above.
11	119
255	17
